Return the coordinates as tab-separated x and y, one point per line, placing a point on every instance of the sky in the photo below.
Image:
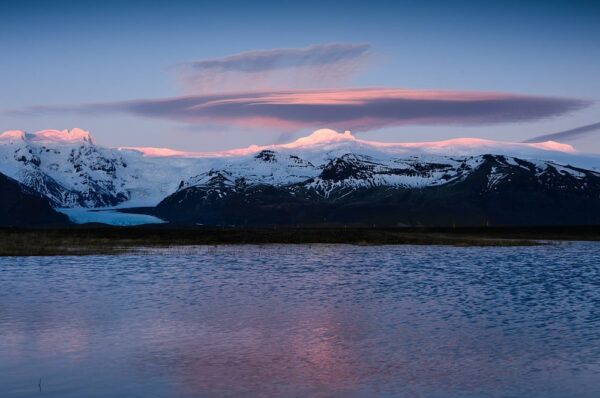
218	75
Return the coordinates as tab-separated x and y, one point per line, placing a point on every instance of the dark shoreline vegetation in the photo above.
87	240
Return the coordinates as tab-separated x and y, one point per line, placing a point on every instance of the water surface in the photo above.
304	321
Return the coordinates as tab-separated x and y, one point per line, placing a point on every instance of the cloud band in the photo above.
567	135
281	58
361	109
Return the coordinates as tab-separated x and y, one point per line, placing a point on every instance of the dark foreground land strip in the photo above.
84	240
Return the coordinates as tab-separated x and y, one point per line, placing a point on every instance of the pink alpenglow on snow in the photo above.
12	135
324	138
50	135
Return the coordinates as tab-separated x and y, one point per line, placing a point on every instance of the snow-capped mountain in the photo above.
332	164
325	167
475	190
64	166
72	171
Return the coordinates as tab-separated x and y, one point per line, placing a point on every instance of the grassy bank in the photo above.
114	240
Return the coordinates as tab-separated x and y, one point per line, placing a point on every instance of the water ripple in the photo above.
304	320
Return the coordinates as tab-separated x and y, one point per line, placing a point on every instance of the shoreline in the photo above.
94	239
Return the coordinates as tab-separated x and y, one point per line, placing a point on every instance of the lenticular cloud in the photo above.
354	109
331	64
358	109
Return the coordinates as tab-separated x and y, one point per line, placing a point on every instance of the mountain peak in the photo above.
322	136
13	135
73	135
50	135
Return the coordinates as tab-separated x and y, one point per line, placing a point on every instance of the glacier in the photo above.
74	172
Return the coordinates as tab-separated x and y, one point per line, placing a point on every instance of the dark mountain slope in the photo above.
20	206
500	191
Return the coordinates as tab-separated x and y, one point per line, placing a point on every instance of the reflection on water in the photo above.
296	321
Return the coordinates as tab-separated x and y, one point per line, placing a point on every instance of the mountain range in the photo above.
326	178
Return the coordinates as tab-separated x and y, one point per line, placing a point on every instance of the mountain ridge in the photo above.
485	190
315	174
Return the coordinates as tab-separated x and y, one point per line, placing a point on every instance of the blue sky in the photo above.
59	56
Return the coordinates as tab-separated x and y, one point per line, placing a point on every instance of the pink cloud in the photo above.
361	109
355	109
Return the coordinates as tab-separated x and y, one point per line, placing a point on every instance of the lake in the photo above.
304	321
